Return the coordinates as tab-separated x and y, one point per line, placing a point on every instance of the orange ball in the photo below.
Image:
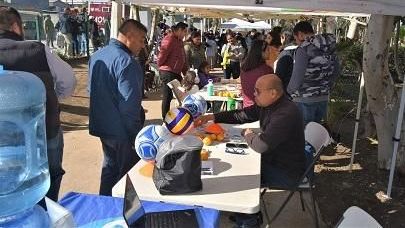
220	137
207	141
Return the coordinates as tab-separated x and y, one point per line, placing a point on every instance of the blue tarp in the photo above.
97	211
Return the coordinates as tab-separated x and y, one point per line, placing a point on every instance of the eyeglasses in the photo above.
259	91
235	150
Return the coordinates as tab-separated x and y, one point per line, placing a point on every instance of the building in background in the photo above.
34	5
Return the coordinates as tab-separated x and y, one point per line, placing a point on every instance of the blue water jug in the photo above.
24	174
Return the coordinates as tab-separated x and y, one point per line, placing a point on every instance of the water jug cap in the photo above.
210	81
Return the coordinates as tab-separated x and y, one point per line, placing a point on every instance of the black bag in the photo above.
178	166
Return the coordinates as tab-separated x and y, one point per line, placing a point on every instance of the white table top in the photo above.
235	185
231	87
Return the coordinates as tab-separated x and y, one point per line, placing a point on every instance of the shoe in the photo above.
247	220
174	84
232	217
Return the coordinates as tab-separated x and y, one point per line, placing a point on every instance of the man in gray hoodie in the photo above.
316	67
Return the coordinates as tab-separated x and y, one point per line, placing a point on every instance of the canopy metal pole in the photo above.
397	136
356	126
396	140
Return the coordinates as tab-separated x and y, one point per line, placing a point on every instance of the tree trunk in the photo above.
382	95
155	15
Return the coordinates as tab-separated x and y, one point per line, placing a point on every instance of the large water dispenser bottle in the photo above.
24	174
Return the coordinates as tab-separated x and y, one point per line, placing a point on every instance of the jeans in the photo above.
55	155
275	177
76	44
315	111
68	44
167	93
233	69
119	158
49	39
83	43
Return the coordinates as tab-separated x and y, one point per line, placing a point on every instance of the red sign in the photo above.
100	11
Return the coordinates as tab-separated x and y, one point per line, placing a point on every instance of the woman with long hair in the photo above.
195	50
253	67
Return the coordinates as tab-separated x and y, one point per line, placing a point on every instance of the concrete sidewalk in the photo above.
83	158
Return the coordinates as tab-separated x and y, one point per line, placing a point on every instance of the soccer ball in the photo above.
149	139
179	120
196	104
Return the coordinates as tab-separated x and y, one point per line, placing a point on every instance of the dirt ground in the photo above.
336	188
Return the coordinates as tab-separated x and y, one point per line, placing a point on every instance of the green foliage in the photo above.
350	54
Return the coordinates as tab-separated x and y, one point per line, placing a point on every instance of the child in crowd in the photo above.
189	85
204	76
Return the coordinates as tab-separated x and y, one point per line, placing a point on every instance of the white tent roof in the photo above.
278	7
237	24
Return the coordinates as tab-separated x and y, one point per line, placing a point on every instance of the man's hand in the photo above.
246	132
203	119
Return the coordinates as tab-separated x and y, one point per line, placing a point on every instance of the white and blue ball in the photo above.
196	104
149	139
179	120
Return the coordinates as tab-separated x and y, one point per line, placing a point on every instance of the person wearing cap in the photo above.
49	29
172	62
280	140
34	57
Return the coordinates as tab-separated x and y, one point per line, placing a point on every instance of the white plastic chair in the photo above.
318	137
355	217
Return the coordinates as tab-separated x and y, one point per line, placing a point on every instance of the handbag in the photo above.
177	169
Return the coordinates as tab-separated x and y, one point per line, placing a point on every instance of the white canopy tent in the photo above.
298	7
279	8
238	24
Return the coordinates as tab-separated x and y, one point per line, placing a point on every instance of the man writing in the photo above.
281	140
116	115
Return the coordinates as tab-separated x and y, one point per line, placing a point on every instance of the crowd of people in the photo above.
286	78
74	31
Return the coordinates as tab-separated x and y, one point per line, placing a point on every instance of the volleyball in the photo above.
196	104
149	139
179	120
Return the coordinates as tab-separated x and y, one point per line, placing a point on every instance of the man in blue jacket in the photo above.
116	115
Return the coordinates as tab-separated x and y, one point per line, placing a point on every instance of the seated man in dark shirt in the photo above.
281	140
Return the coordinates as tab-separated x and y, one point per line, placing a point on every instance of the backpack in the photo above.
178	165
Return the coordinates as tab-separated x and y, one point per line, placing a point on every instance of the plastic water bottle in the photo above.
210	88
24	174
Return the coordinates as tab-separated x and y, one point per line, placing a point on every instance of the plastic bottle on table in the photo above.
210	88
24	174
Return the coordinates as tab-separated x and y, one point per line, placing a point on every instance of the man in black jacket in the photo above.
281	140
16	54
